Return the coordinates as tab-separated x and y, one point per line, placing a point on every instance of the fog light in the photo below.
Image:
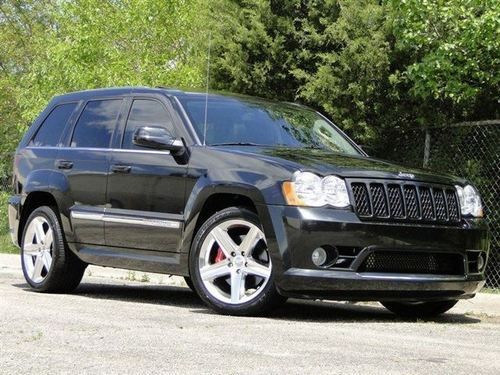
480	262
319	256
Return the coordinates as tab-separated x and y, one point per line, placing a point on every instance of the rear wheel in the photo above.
48	266
419	309
230	264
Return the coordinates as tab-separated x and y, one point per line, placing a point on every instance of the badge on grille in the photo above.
406	175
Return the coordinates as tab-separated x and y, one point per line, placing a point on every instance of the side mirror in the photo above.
158	138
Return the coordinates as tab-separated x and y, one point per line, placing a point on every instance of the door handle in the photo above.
64	164
119	168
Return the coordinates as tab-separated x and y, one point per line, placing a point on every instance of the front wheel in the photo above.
230	264
419	309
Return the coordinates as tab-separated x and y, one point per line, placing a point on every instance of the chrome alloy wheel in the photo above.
234	262
37	249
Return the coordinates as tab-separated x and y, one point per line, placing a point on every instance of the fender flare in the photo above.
206	188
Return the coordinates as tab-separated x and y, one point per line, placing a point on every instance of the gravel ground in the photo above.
113	325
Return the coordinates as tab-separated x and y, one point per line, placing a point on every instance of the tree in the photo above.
95	43
452	54
333	55
49	47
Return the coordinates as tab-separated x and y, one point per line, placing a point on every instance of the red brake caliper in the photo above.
219	257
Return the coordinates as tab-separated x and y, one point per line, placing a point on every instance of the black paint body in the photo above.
174	190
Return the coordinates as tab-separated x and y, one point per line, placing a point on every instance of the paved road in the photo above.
117	326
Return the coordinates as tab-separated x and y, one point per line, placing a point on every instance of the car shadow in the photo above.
294	310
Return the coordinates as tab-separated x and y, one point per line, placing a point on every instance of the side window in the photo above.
96	124
145	112
50	131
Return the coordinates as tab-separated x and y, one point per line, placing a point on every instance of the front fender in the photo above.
204	189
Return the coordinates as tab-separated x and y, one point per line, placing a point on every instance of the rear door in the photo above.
85	164
146	187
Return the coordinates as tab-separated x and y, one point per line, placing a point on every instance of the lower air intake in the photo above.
413	263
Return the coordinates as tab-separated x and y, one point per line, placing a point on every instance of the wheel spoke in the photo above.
30	249
216	270
237	284
47	260
39	232
225	242
250	240
257	269
49	238
37	269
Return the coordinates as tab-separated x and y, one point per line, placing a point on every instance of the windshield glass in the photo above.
234	121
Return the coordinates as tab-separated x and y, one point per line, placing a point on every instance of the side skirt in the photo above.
130	259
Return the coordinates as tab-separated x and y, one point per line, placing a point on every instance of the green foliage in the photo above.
380	69
51	47
122	43
6	245
453	52
333	55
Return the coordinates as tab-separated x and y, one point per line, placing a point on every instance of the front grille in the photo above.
413	263
405	202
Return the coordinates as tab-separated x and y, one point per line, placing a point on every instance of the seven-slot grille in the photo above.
405	201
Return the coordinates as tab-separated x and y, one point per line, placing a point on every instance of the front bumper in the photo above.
298	231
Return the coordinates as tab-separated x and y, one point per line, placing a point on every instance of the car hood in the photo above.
325	162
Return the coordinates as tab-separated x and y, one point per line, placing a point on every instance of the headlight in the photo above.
308	189
470	201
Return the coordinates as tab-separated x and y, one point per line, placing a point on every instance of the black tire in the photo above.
189	283
266	300
419	309
66	270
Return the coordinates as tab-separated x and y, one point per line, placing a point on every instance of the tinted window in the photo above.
235	121
145	113
96	124
50	131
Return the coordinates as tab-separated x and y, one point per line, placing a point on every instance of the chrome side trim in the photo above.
85	215
143	221
152	222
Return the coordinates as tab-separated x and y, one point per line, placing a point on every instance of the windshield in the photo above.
242	122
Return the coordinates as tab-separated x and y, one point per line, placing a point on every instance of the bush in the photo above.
6	245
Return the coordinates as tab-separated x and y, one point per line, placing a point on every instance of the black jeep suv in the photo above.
252	201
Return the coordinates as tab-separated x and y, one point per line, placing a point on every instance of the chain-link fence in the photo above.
470	150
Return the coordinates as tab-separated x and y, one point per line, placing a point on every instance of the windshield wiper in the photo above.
236	144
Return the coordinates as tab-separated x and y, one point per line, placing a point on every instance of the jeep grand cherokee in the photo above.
252	201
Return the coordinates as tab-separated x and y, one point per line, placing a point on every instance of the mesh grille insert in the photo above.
417	263
378	199
361	198
396	201
426	203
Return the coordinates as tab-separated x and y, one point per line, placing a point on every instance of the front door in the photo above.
145	192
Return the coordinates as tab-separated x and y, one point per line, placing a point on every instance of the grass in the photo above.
6	245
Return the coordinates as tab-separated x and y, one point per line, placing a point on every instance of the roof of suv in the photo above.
116	91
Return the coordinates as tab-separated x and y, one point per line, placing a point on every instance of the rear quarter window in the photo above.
96	124
52	127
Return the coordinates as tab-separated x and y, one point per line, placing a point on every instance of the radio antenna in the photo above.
206	91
